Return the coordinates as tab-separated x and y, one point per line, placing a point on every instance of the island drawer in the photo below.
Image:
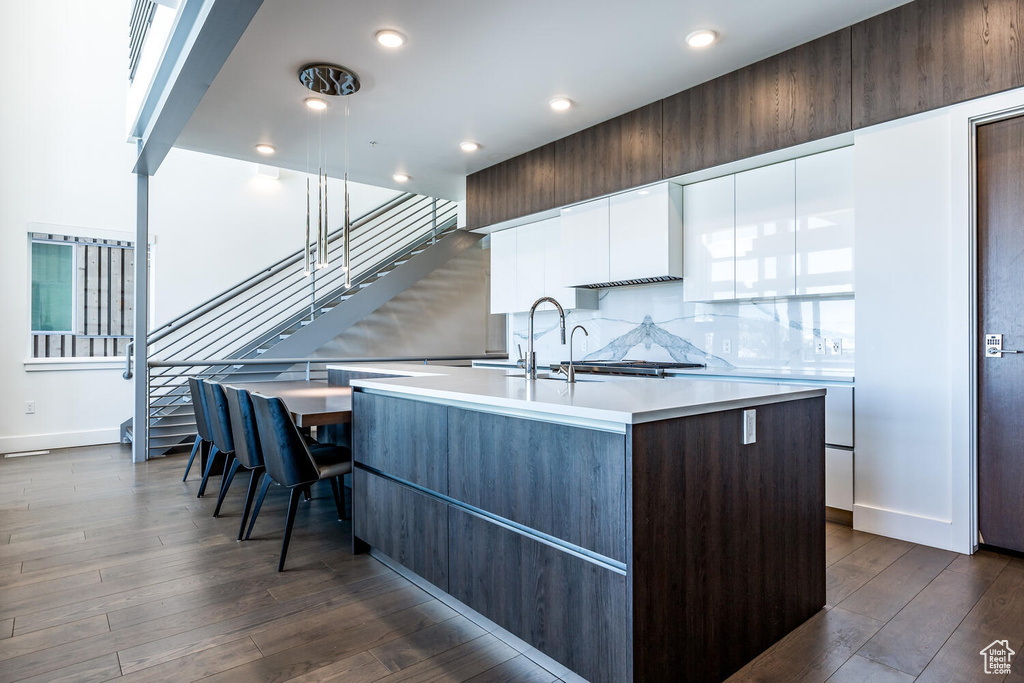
566	482
406	525
567	607
403	438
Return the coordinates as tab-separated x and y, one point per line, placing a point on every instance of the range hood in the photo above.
635	281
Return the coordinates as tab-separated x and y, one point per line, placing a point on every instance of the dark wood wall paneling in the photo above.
794	97
614	155
923	55
933	53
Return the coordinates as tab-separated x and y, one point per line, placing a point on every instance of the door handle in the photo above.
994	346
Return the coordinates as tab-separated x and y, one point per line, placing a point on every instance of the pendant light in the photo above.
333	81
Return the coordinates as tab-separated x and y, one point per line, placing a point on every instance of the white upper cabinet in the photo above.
824	215
585	240
503	271
526	264
530	261
645	233
709	240
765	232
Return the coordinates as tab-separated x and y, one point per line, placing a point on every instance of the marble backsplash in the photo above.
652	322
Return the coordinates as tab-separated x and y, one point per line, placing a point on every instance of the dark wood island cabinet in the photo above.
655	551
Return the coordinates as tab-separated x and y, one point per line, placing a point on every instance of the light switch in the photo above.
749	426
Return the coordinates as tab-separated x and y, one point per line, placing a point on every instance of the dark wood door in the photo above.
1001	311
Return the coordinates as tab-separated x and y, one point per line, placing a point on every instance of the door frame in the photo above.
974	123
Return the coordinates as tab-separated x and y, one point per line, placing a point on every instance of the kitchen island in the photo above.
621	526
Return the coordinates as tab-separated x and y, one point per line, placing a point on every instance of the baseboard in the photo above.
39	442
838	516
906	527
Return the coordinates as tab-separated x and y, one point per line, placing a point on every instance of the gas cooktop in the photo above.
628	367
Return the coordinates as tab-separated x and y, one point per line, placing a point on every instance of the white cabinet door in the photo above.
645	233
585	244
839	416
530	263
709	240
824	229
765	232
503	271
567	296
839	478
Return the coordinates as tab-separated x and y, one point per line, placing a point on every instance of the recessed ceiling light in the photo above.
400	178
263	148
701	38
560	103
469	146
643	191
390	38
315	103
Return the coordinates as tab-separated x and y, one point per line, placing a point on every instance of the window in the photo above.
82	296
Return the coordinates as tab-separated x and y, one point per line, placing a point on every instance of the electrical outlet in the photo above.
30	407
819	347
727	346
836	345
749	427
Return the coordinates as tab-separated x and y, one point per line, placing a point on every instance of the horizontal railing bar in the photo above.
297	361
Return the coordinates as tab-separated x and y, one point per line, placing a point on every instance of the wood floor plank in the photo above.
984	563
6	628
192	633
814	651
94	670
321	652
199	665
843	542
360	668
285	636
50	637
914	636
458	664
861	670
404	652
887	593
517	670
860	566
998	615
78	556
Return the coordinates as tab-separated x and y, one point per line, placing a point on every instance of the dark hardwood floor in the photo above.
113	570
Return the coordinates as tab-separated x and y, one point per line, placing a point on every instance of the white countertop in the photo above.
605	400
790	374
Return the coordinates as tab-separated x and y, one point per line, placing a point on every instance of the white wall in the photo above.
914	473
65	162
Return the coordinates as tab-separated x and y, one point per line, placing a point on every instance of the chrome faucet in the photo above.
531	359
570	374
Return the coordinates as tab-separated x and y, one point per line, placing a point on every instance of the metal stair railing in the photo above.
279	299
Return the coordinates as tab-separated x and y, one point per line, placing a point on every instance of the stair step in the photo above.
188	418
166	433
260	351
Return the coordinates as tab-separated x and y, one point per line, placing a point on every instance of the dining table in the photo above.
311	403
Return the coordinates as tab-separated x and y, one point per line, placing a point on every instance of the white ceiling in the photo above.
482	70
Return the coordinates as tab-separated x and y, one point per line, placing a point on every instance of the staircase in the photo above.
281	312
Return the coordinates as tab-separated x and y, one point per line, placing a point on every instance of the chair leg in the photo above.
225	484
209	467
338	503
293	505
307	495
250	496
195	449
259	504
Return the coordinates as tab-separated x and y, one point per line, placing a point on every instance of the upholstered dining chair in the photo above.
247	445
293	463
204	442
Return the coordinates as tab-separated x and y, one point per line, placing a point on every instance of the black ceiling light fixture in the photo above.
334	81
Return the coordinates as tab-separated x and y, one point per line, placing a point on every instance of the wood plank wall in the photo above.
920	56
104	301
